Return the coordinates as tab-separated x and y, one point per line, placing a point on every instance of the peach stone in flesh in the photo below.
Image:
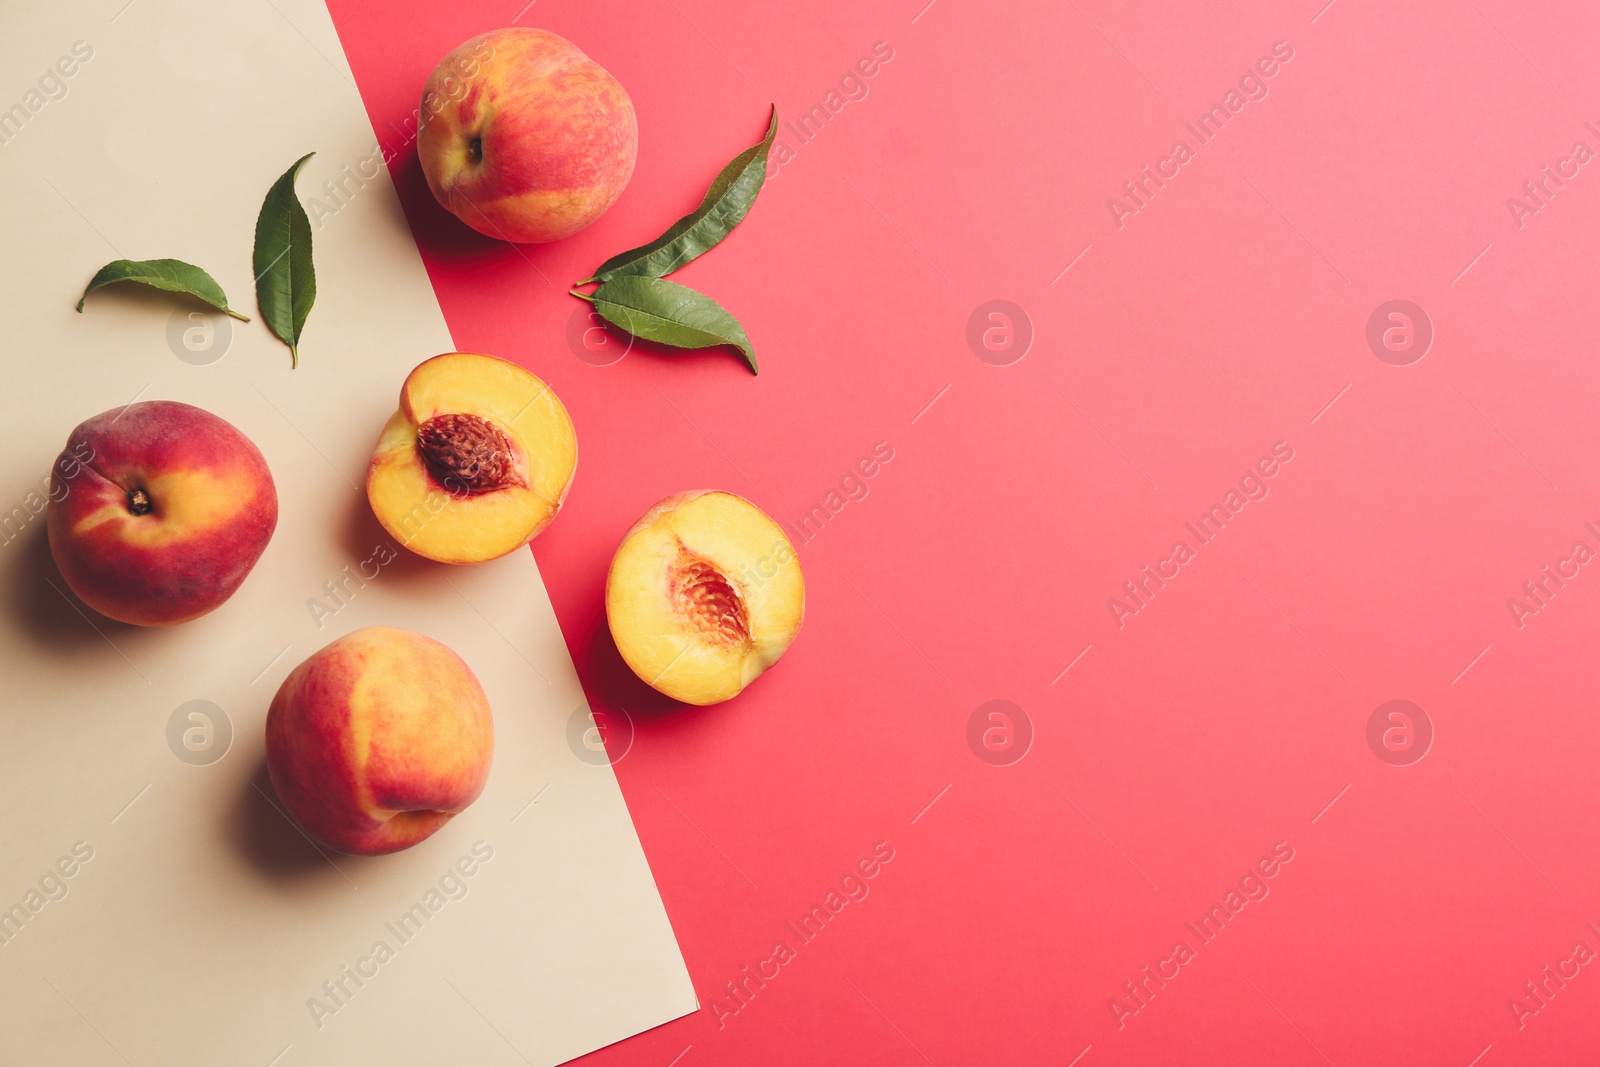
476	461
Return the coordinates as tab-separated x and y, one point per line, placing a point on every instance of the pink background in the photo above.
1225	716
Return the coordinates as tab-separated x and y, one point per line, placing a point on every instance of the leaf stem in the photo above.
581	296
235	314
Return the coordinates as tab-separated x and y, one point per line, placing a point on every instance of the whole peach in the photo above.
378	740
158	511
524	137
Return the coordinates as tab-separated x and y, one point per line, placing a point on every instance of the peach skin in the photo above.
378	740
524	137
158	511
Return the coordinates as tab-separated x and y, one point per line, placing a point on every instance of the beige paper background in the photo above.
205	921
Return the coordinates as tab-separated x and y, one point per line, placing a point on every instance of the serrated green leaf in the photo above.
669	313
170	275
725	204
286	282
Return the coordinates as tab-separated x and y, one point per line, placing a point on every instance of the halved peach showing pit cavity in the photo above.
475	463
704	594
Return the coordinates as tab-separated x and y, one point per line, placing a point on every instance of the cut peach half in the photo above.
704	594
475	463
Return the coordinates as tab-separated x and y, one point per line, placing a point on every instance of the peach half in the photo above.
704	594
158	511
379	739
475	463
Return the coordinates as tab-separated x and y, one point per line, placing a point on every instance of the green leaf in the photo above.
286	283
725	204
171	275
669	313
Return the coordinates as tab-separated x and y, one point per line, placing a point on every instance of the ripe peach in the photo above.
475	463
704	594
158	511
377	740
524	137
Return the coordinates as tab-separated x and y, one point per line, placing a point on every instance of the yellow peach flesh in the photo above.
443	518
704	594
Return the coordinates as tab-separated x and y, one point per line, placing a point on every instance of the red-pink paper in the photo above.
1078	275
